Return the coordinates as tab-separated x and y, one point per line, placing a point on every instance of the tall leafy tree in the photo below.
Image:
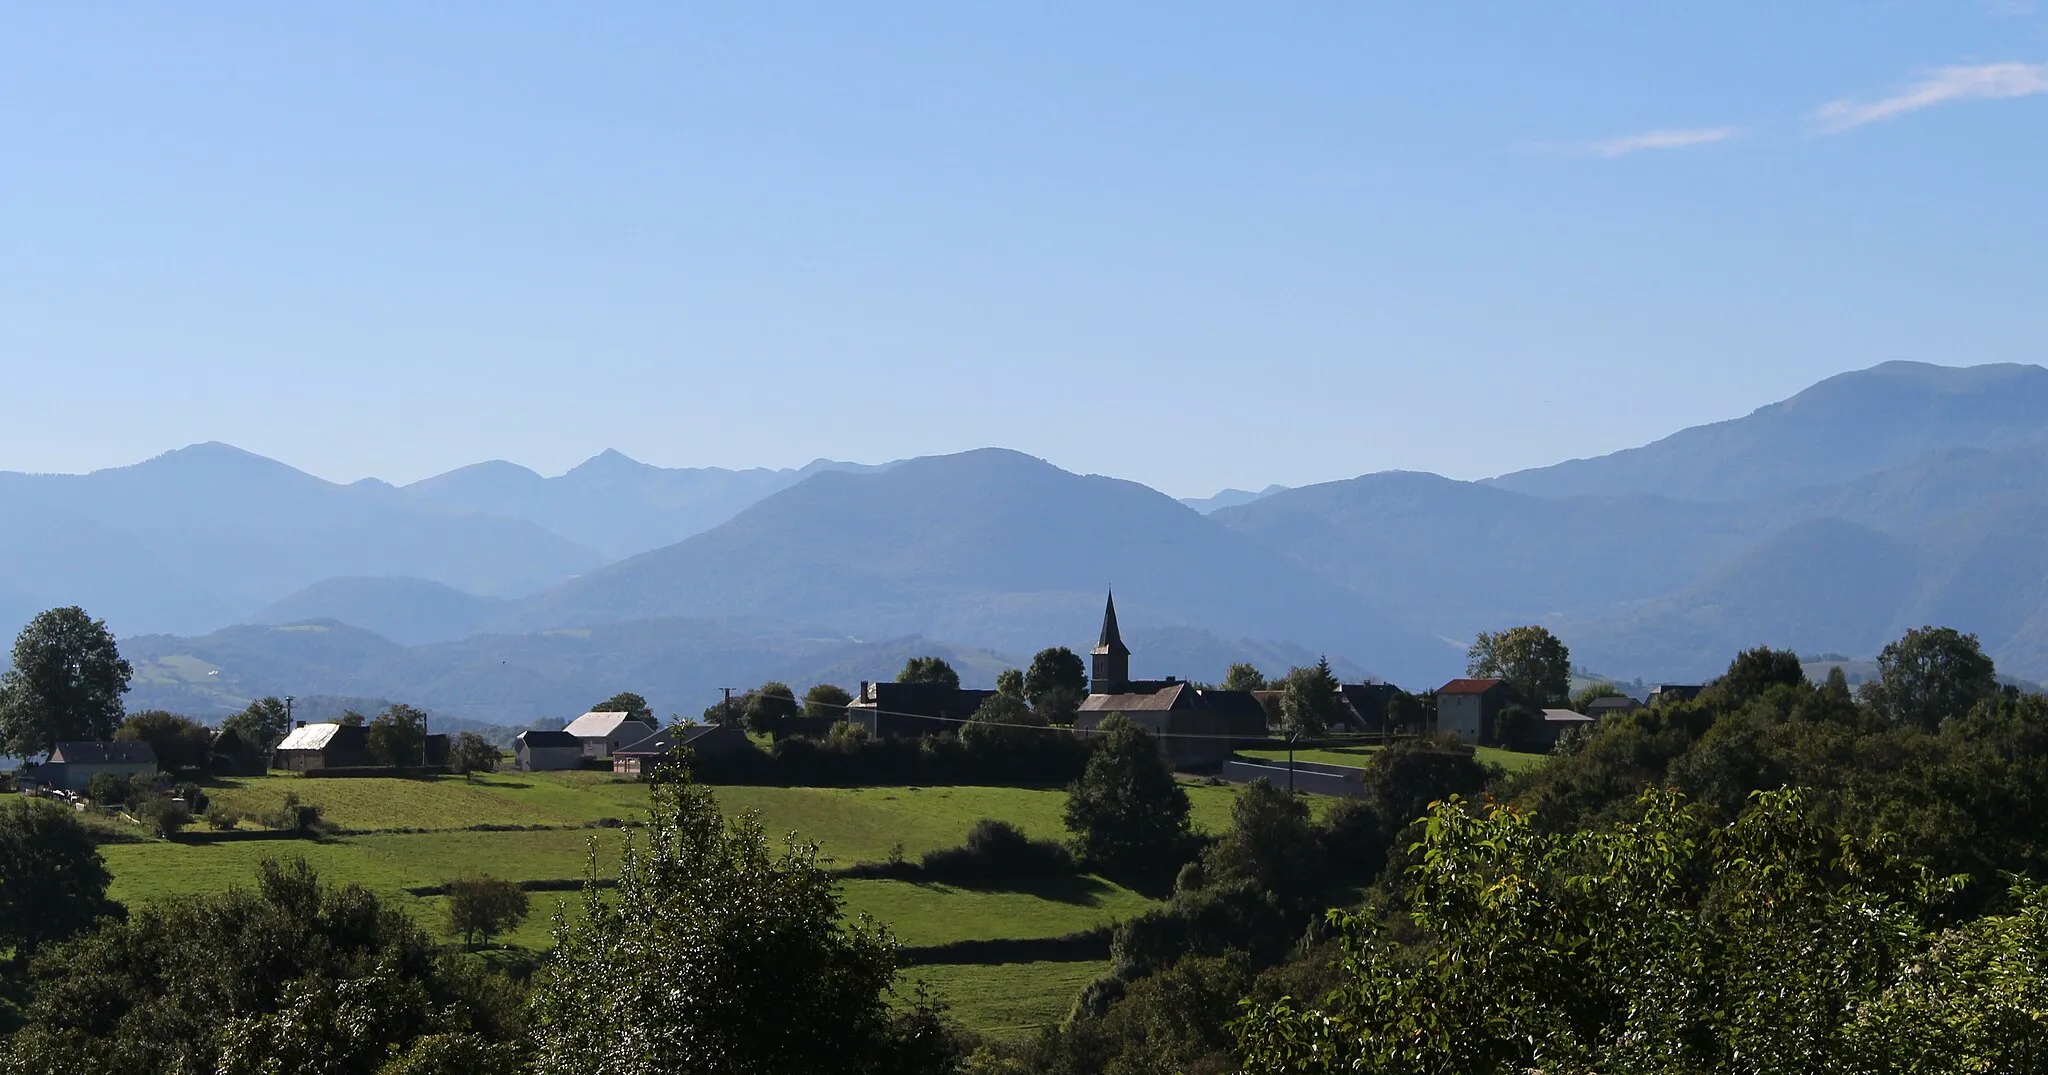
1308	700
716	953
1055	669
471	753
826	702
398	736
66	683
262	724
1530	658
1929	675
1754	671
628	703
1126	813
772	709
1003	720
1244	676
53	884
928	670
178	742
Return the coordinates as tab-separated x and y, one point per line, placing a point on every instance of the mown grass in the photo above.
1008	999
849	825
1511	760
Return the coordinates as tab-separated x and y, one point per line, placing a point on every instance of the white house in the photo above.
536	752
604	733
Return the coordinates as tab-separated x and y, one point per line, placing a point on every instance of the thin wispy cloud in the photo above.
1670	138
1982	82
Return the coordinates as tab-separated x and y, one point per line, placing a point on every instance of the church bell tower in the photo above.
1111	658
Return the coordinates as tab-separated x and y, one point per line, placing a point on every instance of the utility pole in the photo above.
1291	733
725	718
288	713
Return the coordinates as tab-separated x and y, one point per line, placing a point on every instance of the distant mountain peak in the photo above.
1847	425
611	461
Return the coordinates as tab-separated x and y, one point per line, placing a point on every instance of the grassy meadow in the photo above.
1511	760
399	834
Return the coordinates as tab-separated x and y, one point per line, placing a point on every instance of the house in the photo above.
1600	707
1193	733
1470	708
308	747
73	765
1246	716
909	710
710	740
541	752
603	733
1558	721
1364	705
1675	692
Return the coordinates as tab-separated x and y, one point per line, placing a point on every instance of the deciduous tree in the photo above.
1308	700
178	742
262	724
628	703
471	753
66	683
772	709
928	670
717	953
53	884
1244	677
1530	658
1126	813
481	907
826	703
398	736
1929	675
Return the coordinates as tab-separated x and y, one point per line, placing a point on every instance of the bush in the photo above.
295	816
107	789
221	819
165	815
997	850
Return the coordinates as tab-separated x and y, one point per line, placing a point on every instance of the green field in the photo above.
411	833
1511	760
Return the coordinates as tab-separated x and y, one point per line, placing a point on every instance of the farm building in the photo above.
909	710
710	740
1557	721
1470	708
1600	707
73	765
323	746
539	752
602	734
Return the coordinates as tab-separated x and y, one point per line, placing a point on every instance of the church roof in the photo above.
1112	640
1174	696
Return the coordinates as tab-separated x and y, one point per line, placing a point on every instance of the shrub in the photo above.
107	789
997	850
221	819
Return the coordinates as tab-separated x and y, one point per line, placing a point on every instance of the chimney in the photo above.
298	724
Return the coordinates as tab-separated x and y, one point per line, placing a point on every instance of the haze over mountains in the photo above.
1831	521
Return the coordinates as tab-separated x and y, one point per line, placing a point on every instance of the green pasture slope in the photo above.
401	834
1511	760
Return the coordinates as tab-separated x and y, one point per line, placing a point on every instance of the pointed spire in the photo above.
1112	640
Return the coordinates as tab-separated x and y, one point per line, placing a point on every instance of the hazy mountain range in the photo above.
1831	521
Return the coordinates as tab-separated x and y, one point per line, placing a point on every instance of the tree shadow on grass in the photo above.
1079	890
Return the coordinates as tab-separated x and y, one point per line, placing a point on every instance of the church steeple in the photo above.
1112	659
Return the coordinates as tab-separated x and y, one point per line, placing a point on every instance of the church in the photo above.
1196	727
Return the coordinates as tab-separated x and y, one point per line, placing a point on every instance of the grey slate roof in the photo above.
86	752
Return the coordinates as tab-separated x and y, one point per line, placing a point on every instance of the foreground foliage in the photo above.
1670	944
717	954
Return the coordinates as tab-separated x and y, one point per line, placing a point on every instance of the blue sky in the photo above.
1192	245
